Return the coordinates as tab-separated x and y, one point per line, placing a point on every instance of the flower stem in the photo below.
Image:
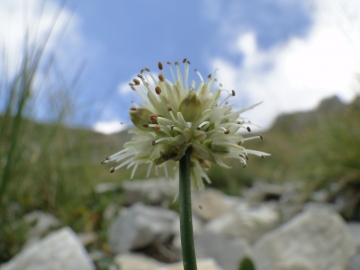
186	229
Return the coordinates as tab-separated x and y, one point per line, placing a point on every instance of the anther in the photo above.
153	142
184	61
196	70
233	93
169	108
136	81
132	86
188	62
198	128
153	117
247	157
147	69
142	71
227	131
209	76
220	84
157	128
261	137
140	76
172	127
248	129
112	170
161	77
244	166
158	90
145	125
176	63
160	66
169	63
262	156
133	109
103	162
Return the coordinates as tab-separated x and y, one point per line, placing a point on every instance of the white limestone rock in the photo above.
57	251
213	204
42	224
315	239
249	223
153	191
140	226
226	251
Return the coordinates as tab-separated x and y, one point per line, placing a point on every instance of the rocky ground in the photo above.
267	223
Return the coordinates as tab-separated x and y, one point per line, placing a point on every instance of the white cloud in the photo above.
124	87
296	75
37	18
110	127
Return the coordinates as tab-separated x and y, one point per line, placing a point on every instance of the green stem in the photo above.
186	229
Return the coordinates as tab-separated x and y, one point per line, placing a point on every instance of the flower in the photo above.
175	116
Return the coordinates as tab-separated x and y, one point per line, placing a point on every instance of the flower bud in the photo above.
139	117
191	107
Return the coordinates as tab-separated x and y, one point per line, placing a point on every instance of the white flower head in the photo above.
176	116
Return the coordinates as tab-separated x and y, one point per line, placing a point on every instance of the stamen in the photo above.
172	72
132	86
166	171
225	99
186	73
205	123
178	129
179	73
133	171
158	90
160	140
149	170
198	73
153	117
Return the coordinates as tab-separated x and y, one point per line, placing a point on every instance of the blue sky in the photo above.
289	54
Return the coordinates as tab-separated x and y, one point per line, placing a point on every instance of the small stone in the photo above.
59	250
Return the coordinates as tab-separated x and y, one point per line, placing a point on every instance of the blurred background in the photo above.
64	96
